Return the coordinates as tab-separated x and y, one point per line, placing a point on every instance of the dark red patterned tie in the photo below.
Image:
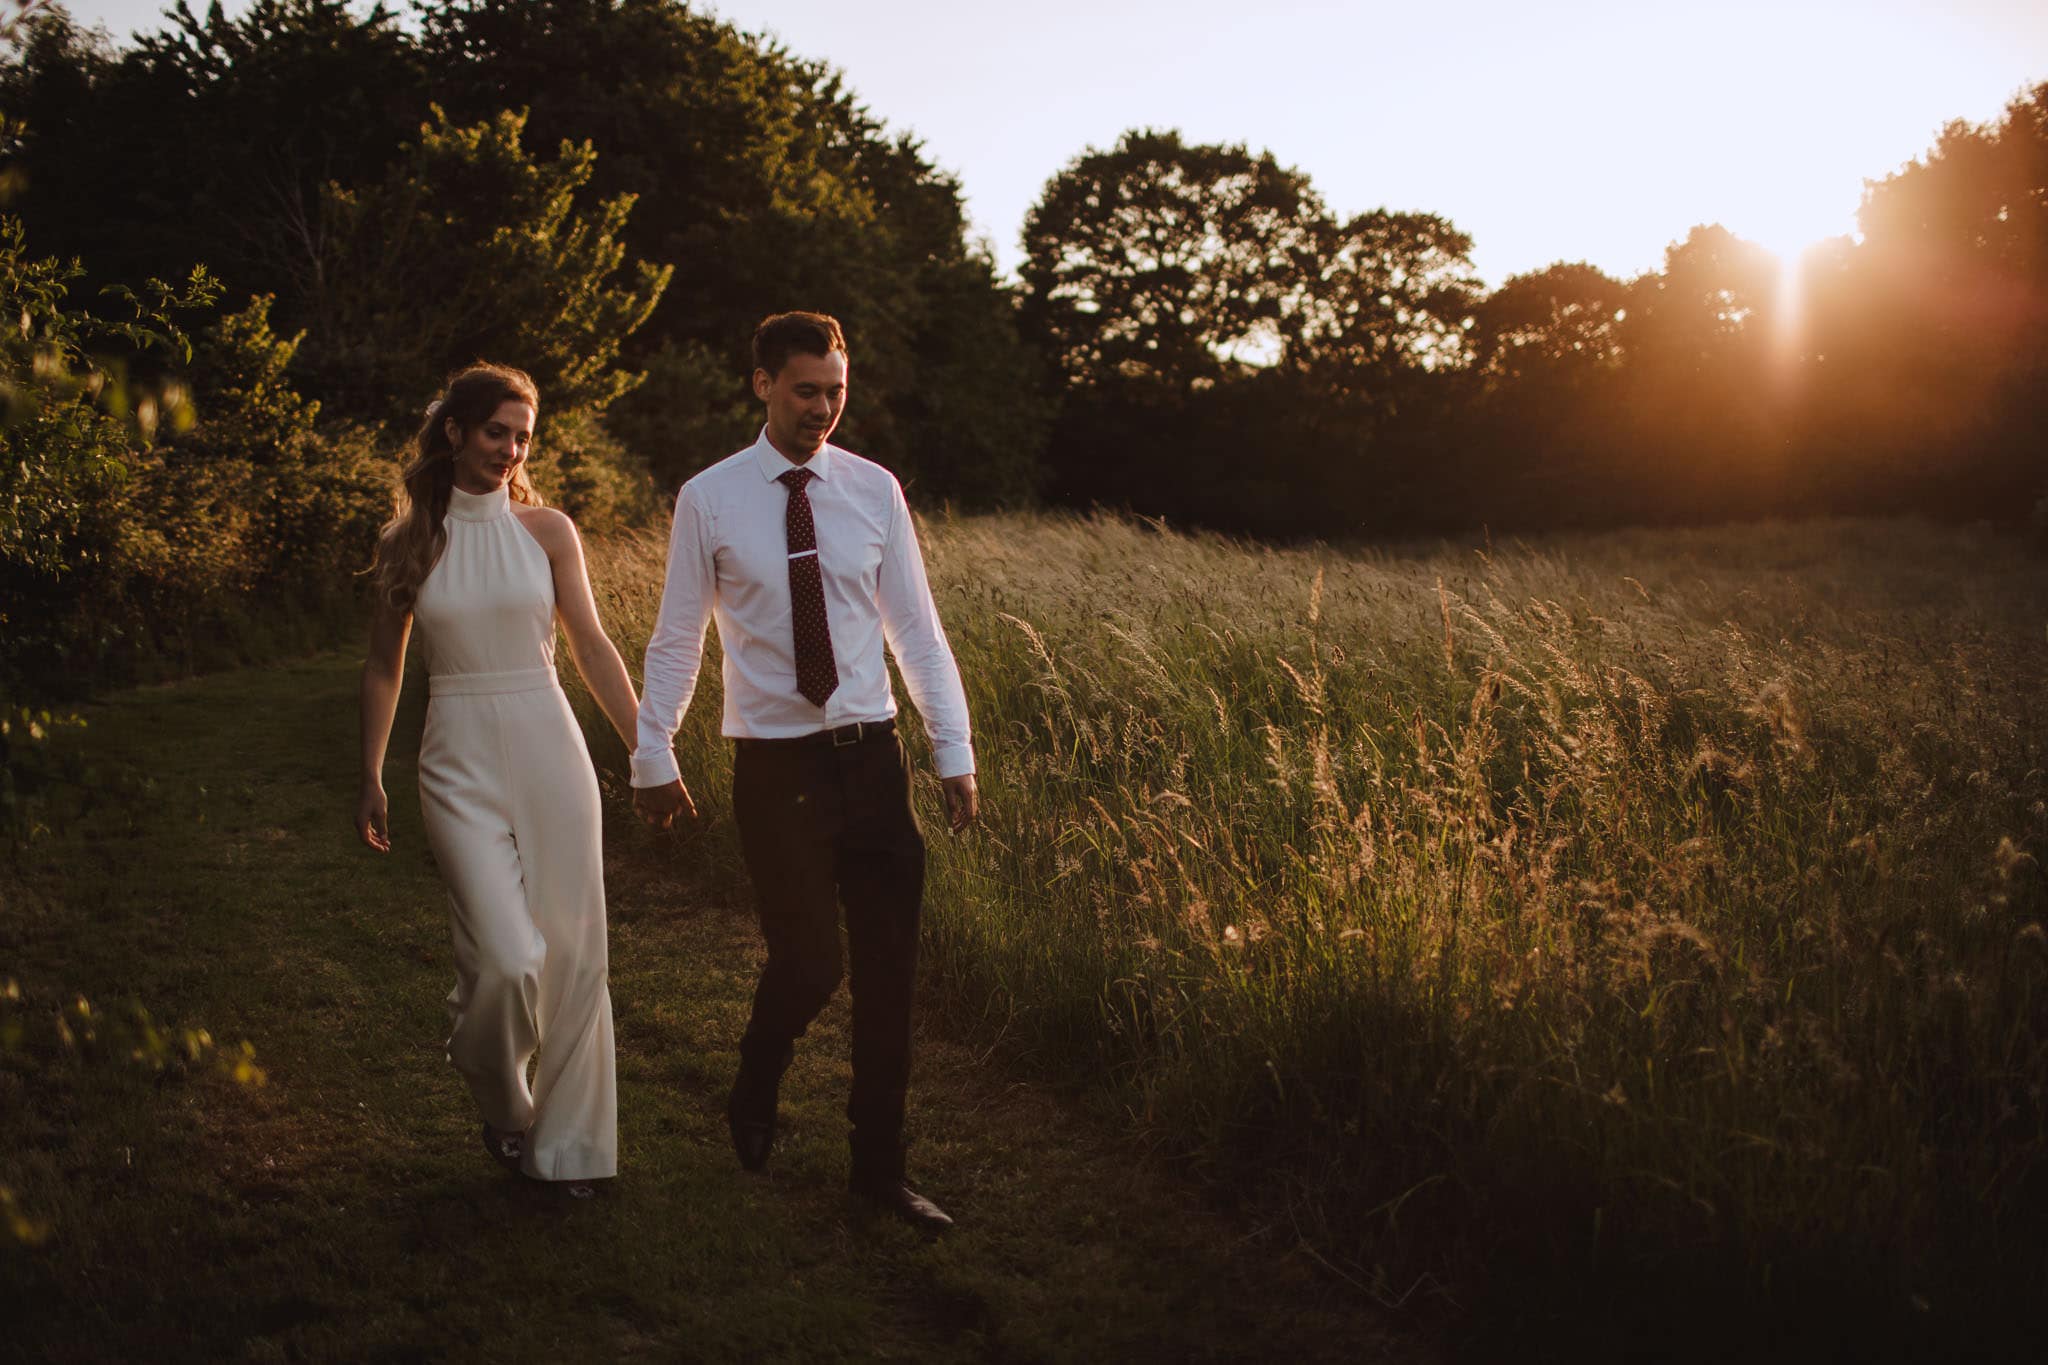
817	676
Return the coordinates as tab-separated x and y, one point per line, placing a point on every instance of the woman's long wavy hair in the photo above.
413	539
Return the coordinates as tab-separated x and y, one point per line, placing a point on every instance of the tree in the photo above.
974	416
1711	303
1385	346
210	140
767	186
466	248
1160	260
1558	325
1967	224
1537	441
1233	355
759	178
1941	328
1396	297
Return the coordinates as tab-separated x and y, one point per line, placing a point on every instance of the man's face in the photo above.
804	402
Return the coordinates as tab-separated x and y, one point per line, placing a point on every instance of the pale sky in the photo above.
1596	130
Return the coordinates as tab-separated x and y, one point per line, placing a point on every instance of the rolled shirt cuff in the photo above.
656	770
955	760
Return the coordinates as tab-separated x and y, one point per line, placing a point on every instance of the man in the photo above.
806	556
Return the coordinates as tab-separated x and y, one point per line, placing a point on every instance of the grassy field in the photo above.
1594	936
1620	946
198	861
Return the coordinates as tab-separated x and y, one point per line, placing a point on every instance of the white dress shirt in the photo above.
728	557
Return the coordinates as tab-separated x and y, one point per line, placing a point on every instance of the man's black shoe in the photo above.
752	1140
895	1197
750	1118
750	1109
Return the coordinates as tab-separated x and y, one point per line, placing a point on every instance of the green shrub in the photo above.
691	410
581	468
132	546
470	247
72	423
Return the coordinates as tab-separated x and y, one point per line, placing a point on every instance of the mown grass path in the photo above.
343	1211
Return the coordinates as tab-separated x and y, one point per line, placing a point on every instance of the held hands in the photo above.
963	802
373	818
659	806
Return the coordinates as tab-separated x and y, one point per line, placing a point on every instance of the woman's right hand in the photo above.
373	818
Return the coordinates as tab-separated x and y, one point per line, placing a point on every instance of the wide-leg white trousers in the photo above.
511	806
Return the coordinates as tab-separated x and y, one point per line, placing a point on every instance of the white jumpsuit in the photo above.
511	806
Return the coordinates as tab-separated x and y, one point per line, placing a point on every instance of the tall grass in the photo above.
1583	924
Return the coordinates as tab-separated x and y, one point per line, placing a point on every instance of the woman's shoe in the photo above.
505	1148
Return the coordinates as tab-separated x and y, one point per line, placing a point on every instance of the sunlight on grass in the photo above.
1648	891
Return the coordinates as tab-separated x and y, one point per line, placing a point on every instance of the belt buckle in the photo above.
841	739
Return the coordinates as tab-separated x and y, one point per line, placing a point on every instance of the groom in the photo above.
806	556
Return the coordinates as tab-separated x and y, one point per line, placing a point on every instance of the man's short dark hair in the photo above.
787	334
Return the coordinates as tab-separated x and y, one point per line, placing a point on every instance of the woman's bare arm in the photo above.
383	675
596	658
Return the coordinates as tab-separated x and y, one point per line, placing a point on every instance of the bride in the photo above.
506	785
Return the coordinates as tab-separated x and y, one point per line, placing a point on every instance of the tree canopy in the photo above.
468	246
1176	262
279	144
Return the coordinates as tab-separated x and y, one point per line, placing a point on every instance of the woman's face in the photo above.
487	453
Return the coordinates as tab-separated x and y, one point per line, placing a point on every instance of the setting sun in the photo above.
1792	214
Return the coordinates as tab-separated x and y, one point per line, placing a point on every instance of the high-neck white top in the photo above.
728	558
488	604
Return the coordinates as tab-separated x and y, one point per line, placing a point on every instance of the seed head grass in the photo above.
1666	905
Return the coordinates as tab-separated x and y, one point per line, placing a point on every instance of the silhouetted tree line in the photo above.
1229	353
610	193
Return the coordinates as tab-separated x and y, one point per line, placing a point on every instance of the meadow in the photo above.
1585	931
228	1130
1620	946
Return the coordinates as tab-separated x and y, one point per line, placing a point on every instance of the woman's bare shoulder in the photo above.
549	525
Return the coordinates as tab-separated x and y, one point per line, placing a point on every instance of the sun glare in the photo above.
1789	215
1789	313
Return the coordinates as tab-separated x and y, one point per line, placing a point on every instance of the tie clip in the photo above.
801	553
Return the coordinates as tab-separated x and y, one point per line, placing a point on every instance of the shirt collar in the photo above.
773	464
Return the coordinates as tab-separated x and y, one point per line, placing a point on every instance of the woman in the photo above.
506	784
